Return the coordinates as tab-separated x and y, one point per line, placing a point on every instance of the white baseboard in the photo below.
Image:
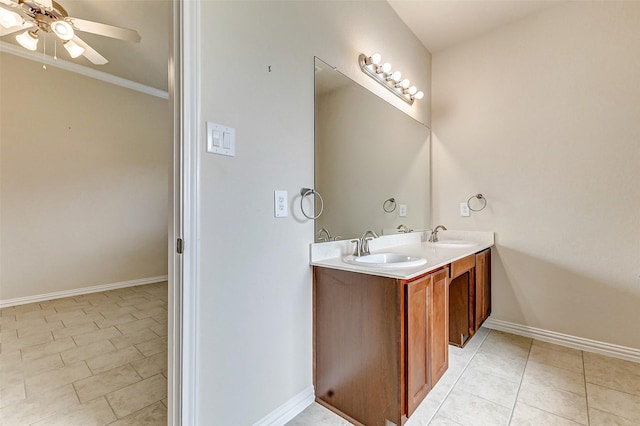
79	291
588	345
289	409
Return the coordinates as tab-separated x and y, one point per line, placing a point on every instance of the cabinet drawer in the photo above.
463	265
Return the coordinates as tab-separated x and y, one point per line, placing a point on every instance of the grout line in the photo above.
586	396
458	378
515	402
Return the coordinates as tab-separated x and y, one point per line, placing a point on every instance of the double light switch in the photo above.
221	139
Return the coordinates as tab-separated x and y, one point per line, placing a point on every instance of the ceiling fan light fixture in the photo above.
73	48
62	29
28	40
9	19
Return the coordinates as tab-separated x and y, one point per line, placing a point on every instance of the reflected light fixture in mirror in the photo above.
370	65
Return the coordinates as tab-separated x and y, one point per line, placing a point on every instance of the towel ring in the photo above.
305	192
482	200
389	205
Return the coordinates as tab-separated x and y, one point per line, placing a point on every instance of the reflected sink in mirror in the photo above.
386	260
454	243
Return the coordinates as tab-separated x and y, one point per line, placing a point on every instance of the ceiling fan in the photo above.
48	16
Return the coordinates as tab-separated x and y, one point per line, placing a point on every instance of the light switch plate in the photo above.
402	210
221	139
280	202
464	209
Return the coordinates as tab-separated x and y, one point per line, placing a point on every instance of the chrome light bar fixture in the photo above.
393	81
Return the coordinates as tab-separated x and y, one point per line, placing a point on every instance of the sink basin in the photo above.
454	243
386	260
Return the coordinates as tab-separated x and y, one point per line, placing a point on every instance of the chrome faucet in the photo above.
326	232
434	234
364	242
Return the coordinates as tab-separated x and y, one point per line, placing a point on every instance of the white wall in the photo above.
541	117
84	174
255	324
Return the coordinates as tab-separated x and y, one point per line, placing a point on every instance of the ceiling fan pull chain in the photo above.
55	49
44	53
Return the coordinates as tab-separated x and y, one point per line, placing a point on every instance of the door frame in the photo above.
184	89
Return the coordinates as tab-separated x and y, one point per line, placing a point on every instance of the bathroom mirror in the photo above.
366	152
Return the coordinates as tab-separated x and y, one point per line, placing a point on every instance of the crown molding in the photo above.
81	69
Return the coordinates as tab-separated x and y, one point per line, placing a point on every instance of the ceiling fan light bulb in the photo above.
28	40
62	29
9	19
73	48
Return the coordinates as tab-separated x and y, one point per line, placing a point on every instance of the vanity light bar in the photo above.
393	81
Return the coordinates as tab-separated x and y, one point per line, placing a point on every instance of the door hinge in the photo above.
179	246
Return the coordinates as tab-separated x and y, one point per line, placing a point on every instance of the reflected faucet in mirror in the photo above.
403	229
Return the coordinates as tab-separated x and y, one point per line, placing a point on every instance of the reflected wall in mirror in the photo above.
366	151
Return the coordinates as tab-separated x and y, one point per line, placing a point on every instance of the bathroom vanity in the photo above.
381	335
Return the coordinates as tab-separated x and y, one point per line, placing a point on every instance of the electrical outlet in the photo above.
280	202
402	210
464	209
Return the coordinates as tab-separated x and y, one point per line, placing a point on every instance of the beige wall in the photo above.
255	312
83	182
541	117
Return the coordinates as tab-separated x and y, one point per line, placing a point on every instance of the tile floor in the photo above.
95	359
503	379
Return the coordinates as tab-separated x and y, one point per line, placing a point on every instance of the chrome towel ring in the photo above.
389	205
482	201
305	192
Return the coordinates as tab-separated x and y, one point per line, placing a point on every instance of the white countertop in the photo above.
330	255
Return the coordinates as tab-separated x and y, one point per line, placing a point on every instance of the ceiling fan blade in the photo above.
89	52
105	30
4	31
45	3
10	3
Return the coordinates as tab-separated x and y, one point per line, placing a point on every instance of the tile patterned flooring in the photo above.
95	359
503	379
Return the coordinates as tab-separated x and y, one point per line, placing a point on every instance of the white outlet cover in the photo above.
464	210
402	210
280	203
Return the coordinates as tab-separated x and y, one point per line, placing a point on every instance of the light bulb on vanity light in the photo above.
28	40
386	67
376	58
413	90
73	49
419	95
396	76
405	83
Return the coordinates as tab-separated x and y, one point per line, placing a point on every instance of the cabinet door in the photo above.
439	325
418	373
483	287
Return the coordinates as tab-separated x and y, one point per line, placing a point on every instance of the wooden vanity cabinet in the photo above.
380	344
469	296
483	287
427	335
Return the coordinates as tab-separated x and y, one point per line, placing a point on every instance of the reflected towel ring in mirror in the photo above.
481	200
305	192
389	205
